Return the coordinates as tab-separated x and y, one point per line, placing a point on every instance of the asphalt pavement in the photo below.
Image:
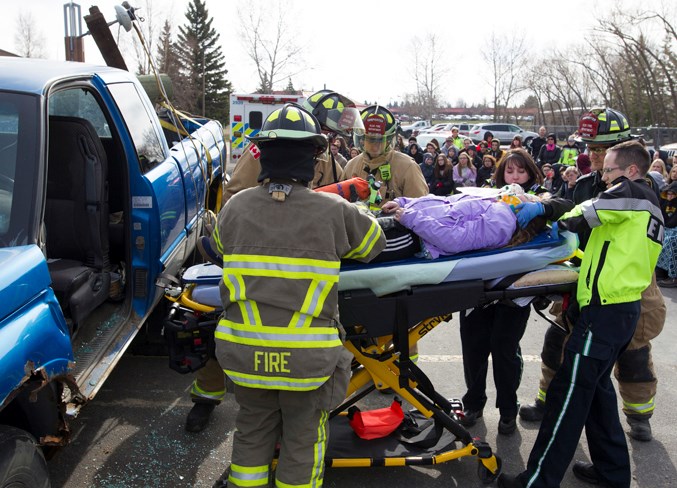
132	434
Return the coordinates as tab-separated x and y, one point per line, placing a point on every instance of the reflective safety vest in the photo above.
281	263
626	239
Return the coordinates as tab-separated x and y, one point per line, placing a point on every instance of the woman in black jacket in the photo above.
550	152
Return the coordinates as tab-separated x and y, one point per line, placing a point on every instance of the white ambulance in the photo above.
248	112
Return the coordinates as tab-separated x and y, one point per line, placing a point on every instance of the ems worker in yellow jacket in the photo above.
397	173
337	115
626	229
279	338
634	371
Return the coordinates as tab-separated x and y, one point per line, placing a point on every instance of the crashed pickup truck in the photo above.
95	205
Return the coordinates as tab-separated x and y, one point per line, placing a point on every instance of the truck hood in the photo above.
23	274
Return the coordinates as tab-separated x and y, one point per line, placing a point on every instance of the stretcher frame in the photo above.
380	332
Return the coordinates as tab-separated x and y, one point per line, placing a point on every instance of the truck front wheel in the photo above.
21	460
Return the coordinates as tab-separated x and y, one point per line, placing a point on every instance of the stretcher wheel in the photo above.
486	476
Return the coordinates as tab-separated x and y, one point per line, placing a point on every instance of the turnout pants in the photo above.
209	385
295	419
582	395
496	330
634	369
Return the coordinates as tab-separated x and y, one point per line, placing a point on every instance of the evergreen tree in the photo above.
201	63
167	63
264	87
290	90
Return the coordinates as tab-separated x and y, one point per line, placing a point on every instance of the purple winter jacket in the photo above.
457	223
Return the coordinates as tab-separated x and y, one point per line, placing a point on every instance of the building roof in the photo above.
7	53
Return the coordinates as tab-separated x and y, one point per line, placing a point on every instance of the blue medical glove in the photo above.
554	231
526	212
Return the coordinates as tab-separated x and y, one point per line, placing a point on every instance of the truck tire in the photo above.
22	463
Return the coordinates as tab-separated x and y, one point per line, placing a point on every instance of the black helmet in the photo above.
335	112
604	126
291	123
379	124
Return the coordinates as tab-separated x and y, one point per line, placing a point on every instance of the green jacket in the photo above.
625	240
569	155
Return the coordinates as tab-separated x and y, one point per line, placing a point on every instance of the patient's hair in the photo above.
523	235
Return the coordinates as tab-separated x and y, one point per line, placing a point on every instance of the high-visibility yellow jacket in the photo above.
281	268
626	238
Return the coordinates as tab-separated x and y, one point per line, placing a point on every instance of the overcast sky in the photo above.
361	48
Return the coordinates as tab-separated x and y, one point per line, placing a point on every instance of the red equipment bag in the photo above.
375	424
352	190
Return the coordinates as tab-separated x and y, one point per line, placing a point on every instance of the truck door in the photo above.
158	220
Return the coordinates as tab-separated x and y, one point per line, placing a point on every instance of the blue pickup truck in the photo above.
95	206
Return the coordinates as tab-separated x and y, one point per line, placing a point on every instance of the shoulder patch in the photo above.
255	151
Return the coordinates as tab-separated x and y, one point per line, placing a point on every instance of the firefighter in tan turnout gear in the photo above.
279	338
337	115
397	174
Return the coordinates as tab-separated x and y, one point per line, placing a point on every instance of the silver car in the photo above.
503	132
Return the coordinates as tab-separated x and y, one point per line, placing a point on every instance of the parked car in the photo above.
668	151
463	129
502	132
437	127
426	137
415	128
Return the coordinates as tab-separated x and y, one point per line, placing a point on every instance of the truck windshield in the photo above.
19	143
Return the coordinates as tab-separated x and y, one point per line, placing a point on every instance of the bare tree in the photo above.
429	73
271	44
28	40
149	29
628	61
505	57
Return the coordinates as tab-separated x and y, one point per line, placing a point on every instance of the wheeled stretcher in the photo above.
386	309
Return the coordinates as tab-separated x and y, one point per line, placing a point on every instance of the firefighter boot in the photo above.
198	417
533	413
640	428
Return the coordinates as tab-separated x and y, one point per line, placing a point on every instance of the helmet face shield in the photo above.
337	114
345	121
379	131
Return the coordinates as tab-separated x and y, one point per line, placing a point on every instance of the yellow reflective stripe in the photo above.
319	450
640	407
300	320
541	395
248	476
237	127
278	267
217	239
211	395
614	126
367	244
312	304
235	285
275	382
276	337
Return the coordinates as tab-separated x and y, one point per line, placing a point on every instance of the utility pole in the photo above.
203	82
72	21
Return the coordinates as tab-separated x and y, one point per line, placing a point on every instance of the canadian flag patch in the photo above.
256	152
